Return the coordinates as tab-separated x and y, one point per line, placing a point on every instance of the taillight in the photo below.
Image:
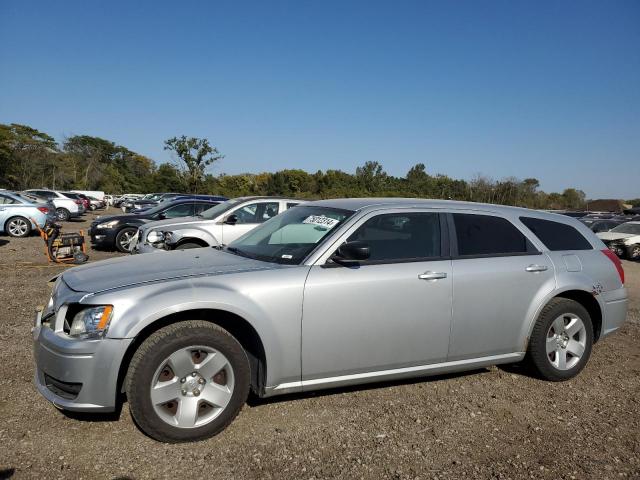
78	202
616	261
44	210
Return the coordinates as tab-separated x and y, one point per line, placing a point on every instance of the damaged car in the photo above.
623	240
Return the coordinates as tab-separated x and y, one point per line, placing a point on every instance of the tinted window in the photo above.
488	235
556	235
257	212
183	210
201	207
401	236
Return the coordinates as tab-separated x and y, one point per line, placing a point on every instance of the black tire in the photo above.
155	350
634	252
538	358
63	214
121	237
188	245
18	227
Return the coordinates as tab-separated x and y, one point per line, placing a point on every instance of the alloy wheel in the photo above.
125	240
18	227
192	387
566	341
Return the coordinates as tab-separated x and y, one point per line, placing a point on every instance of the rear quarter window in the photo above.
555	235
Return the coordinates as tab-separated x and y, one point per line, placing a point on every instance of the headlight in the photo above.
91	321
110	224
155	237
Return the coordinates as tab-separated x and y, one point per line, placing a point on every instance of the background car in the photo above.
624	240
18	214
117	231
219	225
66	208
78	196
605	225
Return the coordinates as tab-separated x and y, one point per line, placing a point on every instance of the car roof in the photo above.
357	204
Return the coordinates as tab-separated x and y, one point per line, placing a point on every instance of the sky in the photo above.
540	89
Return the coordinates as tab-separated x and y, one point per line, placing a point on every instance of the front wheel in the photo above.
561	340
187	382
124	239
634	252
188	245
18	227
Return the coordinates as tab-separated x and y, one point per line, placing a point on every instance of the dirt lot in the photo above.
492	423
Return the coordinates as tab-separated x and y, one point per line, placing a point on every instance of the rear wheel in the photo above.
124	239
561	340
187	382
634	252
18	227
63	214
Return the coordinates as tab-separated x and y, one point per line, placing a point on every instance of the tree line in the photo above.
30	158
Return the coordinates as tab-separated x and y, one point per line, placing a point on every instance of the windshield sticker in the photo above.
321	221
287	257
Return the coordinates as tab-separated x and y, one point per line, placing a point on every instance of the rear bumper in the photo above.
77	375
614	314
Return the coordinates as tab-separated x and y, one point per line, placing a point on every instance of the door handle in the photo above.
536	268
432	275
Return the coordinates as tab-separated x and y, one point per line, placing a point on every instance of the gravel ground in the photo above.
491	423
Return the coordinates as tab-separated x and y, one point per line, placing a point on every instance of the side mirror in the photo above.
231	220
162	216
350	253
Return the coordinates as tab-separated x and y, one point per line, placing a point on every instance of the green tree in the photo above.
197	154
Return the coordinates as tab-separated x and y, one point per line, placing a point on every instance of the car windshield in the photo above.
289	237
219	209
633	228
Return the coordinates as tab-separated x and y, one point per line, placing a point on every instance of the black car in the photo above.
117	231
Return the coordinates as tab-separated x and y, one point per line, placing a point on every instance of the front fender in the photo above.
179	236
270	301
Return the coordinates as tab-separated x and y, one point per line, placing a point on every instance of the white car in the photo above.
219	225
66	207
624	240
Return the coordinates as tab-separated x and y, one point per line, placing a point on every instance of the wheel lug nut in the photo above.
196	392
184	392
201	381
193	374
182	380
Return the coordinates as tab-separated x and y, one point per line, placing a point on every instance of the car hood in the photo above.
139	269
614	235
173	223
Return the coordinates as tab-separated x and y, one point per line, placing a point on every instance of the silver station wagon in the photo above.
327	294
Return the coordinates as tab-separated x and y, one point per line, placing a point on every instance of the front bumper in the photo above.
74	374
102	237
145	248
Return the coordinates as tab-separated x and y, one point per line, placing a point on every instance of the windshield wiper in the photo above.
239	252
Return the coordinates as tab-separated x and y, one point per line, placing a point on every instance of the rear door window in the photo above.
6	200
555	235
182	210
487	235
